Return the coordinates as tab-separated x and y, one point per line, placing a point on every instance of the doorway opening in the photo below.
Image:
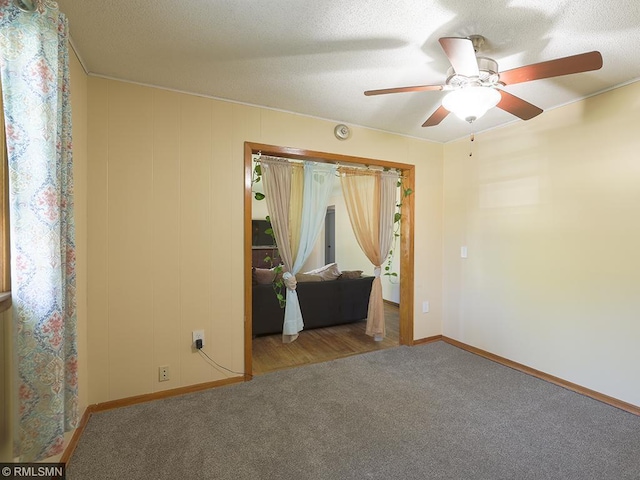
330	235
405	251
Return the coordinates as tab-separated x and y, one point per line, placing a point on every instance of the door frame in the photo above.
406	232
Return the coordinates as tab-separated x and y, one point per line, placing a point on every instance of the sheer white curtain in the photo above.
370	197
318	183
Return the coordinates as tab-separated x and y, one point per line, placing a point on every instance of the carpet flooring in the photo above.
426	412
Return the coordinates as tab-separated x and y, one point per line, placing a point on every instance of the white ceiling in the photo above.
318	57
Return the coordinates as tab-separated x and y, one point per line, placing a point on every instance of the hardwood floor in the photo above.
322	344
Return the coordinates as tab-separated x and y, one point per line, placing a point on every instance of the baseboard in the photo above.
390	302
149	397
614	402
423	341
125	402
73	443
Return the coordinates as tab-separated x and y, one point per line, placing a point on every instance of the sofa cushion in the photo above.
350	274
307	277
262	276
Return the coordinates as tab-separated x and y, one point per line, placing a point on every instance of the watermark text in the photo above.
30	471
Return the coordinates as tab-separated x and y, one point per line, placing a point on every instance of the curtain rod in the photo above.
365	167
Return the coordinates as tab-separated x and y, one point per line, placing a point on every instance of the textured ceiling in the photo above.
318	57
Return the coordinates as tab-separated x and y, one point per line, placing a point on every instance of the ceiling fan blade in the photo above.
436	117
417	88
461	54
583	62
517	106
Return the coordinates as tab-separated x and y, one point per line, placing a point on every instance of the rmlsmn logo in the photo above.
26	471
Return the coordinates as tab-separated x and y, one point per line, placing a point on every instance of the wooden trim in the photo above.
302	154
389	302
424	341
407	285
5	280
5	303
174	392
248	298
5	257
73	443
406	234
614	402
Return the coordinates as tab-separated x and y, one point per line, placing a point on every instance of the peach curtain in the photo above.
370	197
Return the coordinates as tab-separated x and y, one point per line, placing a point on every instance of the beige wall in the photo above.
166	186
549	211
545	207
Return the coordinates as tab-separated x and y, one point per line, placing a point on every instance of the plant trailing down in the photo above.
278	283
404	193
256	177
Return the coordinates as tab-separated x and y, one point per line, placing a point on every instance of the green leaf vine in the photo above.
256	177
397	219
278	282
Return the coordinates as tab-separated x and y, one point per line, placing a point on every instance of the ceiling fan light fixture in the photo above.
471	103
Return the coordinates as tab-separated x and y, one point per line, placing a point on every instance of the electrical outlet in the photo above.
163	373
198	335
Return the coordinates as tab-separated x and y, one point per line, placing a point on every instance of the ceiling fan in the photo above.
475	84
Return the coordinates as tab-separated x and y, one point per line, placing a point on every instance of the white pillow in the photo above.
328	272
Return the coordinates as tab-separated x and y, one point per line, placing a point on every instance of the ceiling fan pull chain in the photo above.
471	140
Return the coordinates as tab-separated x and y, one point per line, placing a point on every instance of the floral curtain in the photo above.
35	87
294	227
370	197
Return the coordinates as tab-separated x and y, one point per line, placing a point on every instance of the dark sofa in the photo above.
331	302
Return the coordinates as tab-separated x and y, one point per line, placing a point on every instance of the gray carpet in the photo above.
427	412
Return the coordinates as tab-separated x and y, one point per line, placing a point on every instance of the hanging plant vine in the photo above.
397	218
256	177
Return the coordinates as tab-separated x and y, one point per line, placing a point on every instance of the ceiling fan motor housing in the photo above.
488	75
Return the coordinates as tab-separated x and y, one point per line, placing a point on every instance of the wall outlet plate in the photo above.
163	373
198	335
